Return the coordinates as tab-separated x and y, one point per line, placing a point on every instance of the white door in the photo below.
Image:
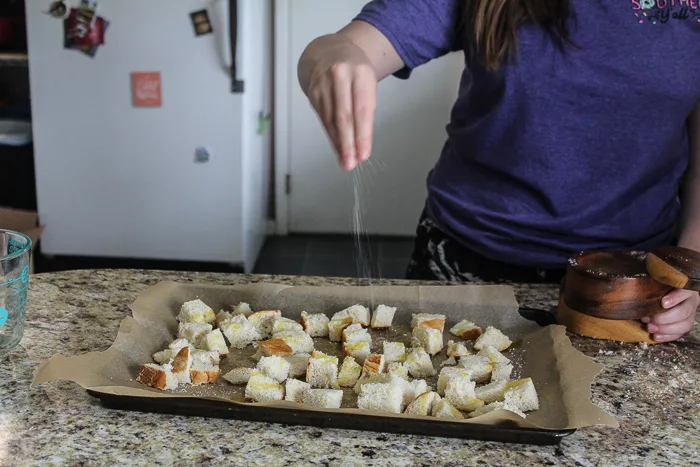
409	135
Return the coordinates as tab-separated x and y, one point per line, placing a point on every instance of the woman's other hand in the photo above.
678	320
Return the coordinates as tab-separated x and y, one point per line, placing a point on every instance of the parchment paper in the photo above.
561	374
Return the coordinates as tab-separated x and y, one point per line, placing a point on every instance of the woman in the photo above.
574	124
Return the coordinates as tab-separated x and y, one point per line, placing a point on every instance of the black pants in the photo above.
438	257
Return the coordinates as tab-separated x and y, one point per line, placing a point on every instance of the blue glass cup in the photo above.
15	254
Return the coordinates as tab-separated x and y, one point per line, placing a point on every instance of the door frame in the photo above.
284	78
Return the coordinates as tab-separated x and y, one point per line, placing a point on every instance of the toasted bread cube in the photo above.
196	311
239	376
449	362
374	363
419	364
205	358
285	324
394	351
356	333
493	355
274	367
263	321
428	320
239	332
358	313
358	350
193	332
273	346
295	390
466	330
479	366
495	406
214	341
158	376
501	372
455	349
222	317
261	388
382	317
397	368
446	374
430	339
323	398
241	309
322	371
181	365
460	392
381	397
423	404
522	395
203	371
349	373
492	392
315	325
493	337
297	364
299	341
336	327
443	409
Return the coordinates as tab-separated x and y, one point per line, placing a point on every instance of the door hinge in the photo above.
288	184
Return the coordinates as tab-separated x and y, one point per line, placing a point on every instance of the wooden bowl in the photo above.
612	285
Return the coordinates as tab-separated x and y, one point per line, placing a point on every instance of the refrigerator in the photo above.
151	141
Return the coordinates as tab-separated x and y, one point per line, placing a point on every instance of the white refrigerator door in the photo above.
409	134
119	181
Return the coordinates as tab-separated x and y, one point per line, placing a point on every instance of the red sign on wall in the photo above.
146	89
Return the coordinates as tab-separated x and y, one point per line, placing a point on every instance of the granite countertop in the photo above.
653	391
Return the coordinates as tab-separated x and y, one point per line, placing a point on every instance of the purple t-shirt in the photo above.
561	152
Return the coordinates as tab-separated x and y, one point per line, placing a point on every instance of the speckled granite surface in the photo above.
654	392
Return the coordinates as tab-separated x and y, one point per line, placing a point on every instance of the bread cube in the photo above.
181	365
394	351
356	333
446	374
315	325
501	372
449	362
455	349
495	406
493	337
398	369
493	355
193	332
412	389
274	367
203	370
358	313
522	395
430	339
358	350
239	376
242	309
214	341
273	346
261	388
205	357
295	390
196	311
428	320
322	371
423	404
222	317
239	332
479	366
336	327
443	409
367	378
158	376
323	398
466	330
374	363
285	324
382	317
419	363
381	397
263	321
460	392
492	392
299	341
349	373
297	364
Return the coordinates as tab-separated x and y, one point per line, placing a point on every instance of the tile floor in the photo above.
335	256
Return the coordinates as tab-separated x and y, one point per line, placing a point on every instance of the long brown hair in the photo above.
491	26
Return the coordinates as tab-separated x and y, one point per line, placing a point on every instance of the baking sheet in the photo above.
561	374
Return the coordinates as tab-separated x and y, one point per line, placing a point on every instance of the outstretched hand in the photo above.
678	320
